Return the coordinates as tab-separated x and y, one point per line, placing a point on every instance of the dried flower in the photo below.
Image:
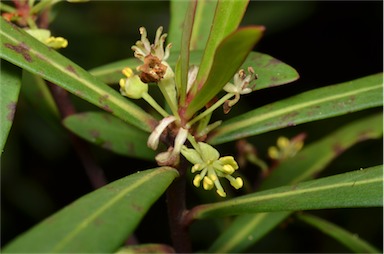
241	86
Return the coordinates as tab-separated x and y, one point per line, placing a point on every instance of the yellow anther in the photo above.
230	161
56	42
197	180
283	142
207	183
273	152
228	169
221	193
127	72
237	183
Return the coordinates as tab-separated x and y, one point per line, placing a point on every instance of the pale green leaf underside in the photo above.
100	221
309	106
348	239
10	83
111	133
307	163
361	188
26	52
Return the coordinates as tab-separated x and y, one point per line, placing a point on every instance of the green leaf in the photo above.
203	22
201	27
100	221
111	133
146	248
307	163
228	15
35	90
178	10
271	72
10	83
242	231
309	106
229	56
28	53
111	73
361	188
348	239
183	63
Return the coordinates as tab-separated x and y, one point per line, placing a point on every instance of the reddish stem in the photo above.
176	212
66	108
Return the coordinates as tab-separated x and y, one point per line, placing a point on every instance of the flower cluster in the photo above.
206	159
211	166
286	148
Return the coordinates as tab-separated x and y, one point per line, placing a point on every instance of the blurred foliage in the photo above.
326	42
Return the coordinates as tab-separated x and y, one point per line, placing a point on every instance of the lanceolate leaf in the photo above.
348	239
361	188
26	52
203	22
271	71
309	106
228	15
229	56
110	133
100	221
178	11
202	25
183	63
246	230
311	160
10	83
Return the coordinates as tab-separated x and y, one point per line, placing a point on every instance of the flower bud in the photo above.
133	87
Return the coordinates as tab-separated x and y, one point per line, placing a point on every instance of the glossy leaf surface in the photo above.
202	25
146	248
228	15
100	221
271	71
361	188
183	63
233	49
10	84
348	239
28	53
242	233
111	133
309	106
307	163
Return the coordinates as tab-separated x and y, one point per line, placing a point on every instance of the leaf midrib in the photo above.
60	245
247	122
114	99
280	195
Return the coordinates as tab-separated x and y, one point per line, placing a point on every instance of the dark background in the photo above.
327	42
